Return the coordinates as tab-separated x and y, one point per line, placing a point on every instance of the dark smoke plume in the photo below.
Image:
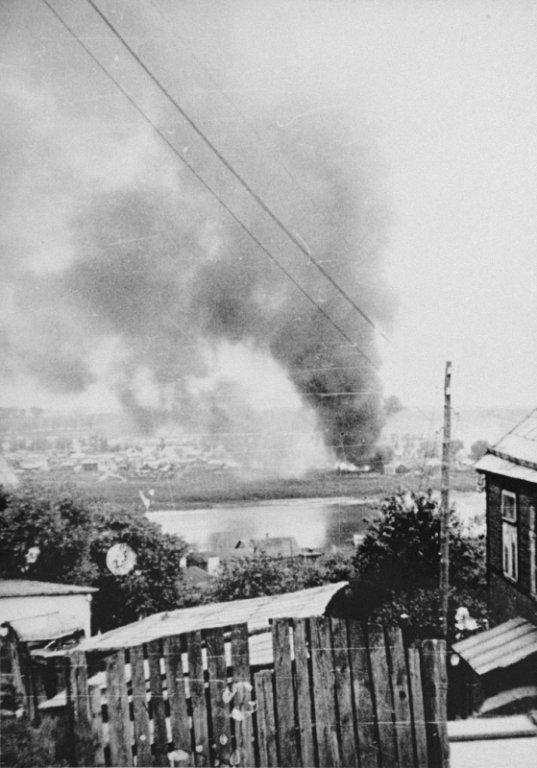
149	261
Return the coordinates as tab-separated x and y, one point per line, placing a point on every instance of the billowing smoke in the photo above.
109	244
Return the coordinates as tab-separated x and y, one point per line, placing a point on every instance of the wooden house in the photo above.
500	665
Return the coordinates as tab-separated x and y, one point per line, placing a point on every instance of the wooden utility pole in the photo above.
444	504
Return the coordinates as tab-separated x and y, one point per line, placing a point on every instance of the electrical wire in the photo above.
207	186
242	181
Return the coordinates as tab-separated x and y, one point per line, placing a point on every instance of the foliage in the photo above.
73	534
398	562
260	574
478	449
25	746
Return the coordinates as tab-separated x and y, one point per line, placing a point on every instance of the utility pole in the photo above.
444	504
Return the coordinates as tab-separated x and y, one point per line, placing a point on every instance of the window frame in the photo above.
510	536
512	497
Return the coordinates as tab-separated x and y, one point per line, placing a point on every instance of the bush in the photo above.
73	535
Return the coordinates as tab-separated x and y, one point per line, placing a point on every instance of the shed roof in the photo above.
518	446
47	626
256	612
27	588
502	646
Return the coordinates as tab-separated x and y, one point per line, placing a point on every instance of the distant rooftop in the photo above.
27	588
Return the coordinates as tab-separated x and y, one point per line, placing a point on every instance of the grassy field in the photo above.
204	488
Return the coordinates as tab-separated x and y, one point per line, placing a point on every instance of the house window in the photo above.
509	535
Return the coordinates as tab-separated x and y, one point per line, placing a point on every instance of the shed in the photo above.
494	662
24	599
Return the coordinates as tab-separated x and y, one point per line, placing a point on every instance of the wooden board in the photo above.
142	732
401	696
344	699
241	704
380	675
266	721
81	713
179	720
364	703
220	730
95	700
158	707
324	692
198	702
283	682
416	693
119	724
303	692
434	684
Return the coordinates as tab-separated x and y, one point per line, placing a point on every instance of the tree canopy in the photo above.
397	565
69	536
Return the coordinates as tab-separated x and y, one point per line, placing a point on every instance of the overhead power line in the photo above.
242	181
207	186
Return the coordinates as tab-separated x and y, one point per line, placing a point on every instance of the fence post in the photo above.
434	681
324	692
242	709
119	725
364	699
401	695
380	675
283	679
83	736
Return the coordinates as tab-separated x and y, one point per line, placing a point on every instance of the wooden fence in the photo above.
338	694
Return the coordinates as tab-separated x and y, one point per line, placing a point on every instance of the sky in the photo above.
425	112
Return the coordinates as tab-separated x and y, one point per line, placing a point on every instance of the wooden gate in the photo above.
337	694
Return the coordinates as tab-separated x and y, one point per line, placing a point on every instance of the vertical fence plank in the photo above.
95	701
266	723
179	720
324	692
283	681
343	683
220	731
242	702
196	682
119	724
364	701
383	696
81	713
418	715
158	707
434	683
401	696
303	693
142	733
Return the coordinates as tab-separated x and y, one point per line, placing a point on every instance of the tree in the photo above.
478	449
398	562
260	574
70	536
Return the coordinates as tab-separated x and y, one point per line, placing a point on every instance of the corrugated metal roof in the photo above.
503	646
498	466
255	612
514	696
521	442
27	588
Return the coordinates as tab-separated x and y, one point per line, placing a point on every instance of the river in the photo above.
322	524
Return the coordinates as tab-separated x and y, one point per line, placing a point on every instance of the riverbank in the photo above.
202	489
